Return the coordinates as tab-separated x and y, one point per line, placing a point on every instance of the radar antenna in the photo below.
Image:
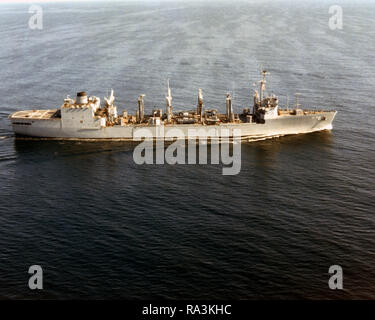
263	83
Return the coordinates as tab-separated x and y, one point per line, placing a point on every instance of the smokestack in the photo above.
81	98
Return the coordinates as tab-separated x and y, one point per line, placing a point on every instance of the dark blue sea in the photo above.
102	226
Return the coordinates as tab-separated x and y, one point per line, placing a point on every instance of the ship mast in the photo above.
297	95
141	109
168	100
200	104
229	109
263	84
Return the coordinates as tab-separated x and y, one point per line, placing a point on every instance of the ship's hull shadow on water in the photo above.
54	147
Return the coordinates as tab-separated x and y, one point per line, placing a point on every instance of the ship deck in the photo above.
53	114
35	114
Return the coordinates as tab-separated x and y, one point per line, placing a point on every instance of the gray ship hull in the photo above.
54	128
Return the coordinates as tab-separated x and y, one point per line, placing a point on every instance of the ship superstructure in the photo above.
86	118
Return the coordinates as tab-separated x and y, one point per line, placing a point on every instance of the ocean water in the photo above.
103	227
